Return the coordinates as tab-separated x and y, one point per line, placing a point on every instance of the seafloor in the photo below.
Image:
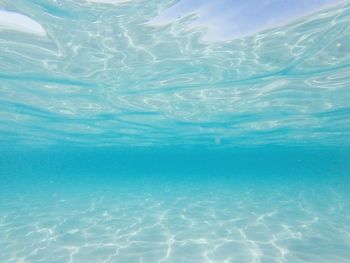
211	207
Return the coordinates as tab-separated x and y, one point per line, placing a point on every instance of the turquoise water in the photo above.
122	141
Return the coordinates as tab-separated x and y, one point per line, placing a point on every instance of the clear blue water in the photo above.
126	142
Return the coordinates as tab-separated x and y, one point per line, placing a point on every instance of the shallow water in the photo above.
258	205
126	142
215	226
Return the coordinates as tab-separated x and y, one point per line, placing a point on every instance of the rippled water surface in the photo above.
98	74
126	141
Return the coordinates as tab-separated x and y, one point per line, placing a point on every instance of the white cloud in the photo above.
15	21
229	19
113	2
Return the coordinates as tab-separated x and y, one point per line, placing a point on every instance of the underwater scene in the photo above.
174	131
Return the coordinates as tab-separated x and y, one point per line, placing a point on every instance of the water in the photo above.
125	142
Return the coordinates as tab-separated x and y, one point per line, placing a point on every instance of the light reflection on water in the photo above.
102	77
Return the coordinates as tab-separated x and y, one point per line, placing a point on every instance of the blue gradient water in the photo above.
126	142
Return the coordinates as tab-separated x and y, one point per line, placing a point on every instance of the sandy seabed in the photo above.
169	225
